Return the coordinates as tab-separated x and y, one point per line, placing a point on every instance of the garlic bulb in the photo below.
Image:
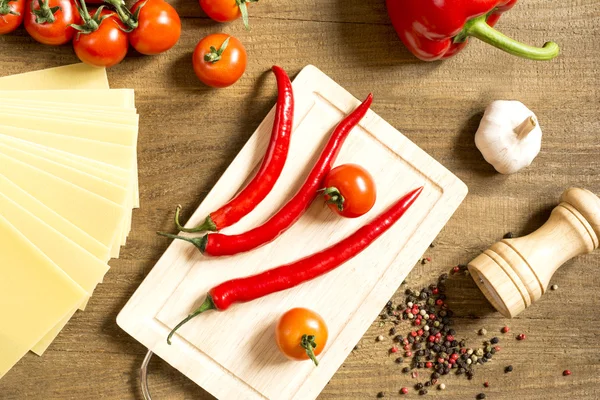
509	136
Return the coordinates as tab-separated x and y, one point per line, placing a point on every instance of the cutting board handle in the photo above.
514	273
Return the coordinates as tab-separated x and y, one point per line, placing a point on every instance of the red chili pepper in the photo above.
217	244
270	169
434	30
222	296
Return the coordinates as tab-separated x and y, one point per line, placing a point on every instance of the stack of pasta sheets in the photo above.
68	184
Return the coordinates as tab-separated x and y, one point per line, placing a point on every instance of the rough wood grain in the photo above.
189	134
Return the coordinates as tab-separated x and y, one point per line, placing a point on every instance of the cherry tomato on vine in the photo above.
350	190
49	21
11	15
301	334
102	47
227	10
159	27
219	60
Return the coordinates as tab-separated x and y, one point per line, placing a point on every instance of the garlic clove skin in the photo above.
509	136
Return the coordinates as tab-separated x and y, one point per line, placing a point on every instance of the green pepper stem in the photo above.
334	196
479	28
207	305
200	242
308	343
207	225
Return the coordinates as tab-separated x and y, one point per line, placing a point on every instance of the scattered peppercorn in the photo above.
482	331
505	329
494	340
406	370
456	269
508	235
486	384
379	338
404	390
423	392
554	287
521	336
442	386
399	360
419	386
380	395
566	372
480	396
508	369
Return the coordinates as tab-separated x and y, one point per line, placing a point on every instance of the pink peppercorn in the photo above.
394	349
420	332
521	336
486	384
449	338
435	290
456	269
441	360
404	390
439	302
408	354
463	350
497	348
406	347
432	316
506	329
428	364
431	339
566	372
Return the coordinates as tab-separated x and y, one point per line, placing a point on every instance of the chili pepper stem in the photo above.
207	225
308	343
333	196
200	242
207	305
479	28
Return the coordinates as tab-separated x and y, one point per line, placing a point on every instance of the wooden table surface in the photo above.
190	133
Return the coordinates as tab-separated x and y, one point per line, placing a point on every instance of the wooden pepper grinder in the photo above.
514	273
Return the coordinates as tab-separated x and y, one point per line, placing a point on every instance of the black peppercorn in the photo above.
406	370
435	375
419	386
508	369
423	392
399	360
380	395
480	396
494	340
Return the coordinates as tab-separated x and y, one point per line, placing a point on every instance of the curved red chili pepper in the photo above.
222	296
270	170
218	244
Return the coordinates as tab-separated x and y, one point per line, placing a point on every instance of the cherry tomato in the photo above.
11	15
226	10
55	33
159	27
104	47
301	334
350	190
219	60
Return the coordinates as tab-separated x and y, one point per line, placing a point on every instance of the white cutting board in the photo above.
232	354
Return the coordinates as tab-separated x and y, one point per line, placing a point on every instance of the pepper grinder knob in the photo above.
514	273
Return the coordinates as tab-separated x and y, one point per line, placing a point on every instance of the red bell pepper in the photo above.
438	29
